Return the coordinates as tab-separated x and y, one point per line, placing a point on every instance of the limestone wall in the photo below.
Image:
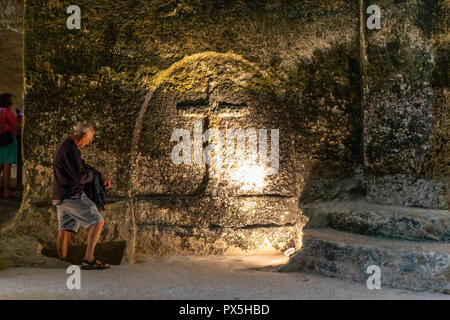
307	50
406	108
365	112
11	50
402	58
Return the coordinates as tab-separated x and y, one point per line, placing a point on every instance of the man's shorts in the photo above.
77	211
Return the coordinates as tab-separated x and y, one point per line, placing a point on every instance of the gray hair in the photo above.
83	128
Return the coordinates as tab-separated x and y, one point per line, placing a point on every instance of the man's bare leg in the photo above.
94	232
62	244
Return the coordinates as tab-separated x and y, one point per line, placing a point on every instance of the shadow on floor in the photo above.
8	207
110	252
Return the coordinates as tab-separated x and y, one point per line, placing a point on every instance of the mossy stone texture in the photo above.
295	65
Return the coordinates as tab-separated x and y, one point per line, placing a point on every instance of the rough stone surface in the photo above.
220	92
226	225
382	221
11	50
402	69
245	225
399	189
222	212
25	251
409	265
109	66
219	240
347	102
407	190
137	82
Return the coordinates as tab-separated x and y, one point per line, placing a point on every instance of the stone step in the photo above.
419	266
254	240
380	220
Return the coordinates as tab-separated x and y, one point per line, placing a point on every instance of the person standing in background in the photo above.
9	123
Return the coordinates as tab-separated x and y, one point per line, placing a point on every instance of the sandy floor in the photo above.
181	277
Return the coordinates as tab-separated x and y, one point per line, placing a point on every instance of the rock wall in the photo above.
101	72
355	105
11	50
406	105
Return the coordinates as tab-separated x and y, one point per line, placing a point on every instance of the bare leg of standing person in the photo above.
62	244
94	233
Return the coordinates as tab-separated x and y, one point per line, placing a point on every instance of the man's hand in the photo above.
106	182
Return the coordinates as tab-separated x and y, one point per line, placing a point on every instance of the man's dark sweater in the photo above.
70	172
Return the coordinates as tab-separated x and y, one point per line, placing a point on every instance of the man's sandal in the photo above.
94	265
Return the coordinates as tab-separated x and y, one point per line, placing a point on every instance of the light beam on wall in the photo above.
249	177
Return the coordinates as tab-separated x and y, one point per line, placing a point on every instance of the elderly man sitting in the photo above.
70	174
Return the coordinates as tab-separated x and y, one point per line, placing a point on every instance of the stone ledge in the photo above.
226	212
380	220
404	264
222	241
